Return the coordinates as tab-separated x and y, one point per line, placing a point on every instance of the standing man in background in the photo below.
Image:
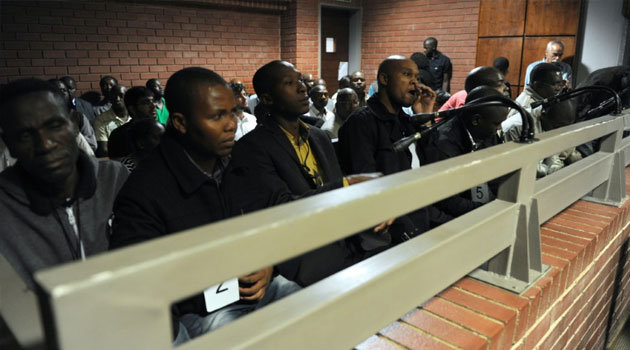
440	65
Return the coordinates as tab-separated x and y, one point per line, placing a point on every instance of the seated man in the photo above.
140	105
246	122
479	76
109	120
546	81
81	105
145	135
366	138
468	133
553	54
186	183
106	84
319	97
347	102
56	201
158	98
292	161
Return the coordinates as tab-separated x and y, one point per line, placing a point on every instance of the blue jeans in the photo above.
193	325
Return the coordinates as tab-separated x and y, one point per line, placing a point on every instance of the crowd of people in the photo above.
80	179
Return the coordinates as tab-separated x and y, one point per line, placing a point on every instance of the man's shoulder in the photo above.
105	117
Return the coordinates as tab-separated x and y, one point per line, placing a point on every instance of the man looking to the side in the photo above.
158	98
109	120
347	103
440	65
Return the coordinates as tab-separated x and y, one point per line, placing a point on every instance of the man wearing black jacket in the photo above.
471	132
187	183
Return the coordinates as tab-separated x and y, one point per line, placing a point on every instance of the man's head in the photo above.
202	112
320	81
430	46
484	75
308	80
38	130
280	89
554	51
421	60
240	93
484	122
71	85
146	134
139	103
347	102
546	79
398	78
558	115
107	83
357	80
502	64
156	87
63	89
345	82
319	96
117	97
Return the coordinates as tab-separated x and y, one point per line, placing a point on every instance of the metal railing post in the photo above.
613	191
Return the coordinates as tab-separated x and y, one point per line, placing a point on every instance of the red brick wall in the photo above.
86	40
400	27
300	36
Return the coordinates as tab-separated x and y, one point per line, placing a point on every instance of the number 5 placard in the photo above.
221	295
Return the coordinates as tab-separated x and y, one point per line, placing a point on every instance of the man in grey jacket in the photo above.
55	202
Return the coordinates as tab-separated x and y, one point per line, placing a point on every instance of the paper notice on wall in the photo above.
343	70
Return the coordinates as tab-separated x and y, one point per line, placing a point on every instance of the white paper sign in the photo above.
221	295
480	193
343	70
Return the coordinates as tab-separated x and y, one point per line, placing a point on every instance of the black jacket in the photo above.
451	140
365	145
267	152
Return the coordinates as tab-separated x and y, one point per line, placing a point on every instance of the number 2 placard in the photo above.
221	295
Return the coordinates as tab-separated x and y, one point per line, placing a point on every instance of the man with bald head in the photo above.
366	138
357	81
553	54
308	80
347	102
479	76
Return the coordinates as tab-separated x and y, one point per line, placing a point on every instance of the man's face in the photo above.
242	99
319	96
42	137
289	92
156	87
429	48
117	96
64	91
145	108
72	87
489	123
554	54
550	86
498	83
357	79
211	127
308	80
402	83
106	86
346	104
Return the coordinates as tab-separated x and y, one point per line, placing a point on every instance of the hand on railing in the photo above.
257	283
358	178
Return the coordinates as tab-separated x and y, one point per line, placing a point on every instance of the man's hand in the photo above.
383	227
257	283
425	101
357	178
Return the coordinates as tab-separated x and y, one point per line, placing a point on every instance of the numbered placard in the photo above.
221	295
480	193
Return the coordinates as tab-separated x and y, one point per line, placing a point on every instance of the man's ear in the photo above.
266	98
179	122
383	78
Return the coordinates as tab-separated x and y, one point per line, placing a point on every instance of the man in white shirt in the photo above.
553	54
245	122
319	96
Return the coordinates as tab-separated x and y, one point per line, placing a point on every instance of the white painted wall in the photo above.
605	37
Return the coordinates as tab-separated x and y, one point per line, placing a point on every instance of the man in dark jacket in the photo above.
186	183
55	202
471	132
366	138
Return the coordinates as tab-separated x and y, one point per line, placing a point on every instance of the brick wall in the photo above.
86	40
300	36
567	309
400	27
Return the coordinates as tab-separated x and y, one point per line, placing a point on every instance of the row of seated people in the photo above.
58	204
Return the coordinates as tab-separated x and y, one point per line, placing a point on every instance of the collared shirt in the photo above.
162	113
567	72
314	112
439	64
302	148
245	125
332	126
456	100
105	123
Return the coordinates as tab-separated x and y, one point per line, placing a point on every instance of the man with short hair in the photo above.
81	105
158	98
546	81
85	139
140	103
309	81
357	81
440	65
106	84
56	201
190	169
112	118
553	54
347	103
319	97
502	64
479	76
246	121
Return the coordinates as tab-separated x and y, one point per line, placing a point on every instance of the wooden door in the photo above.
335	24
